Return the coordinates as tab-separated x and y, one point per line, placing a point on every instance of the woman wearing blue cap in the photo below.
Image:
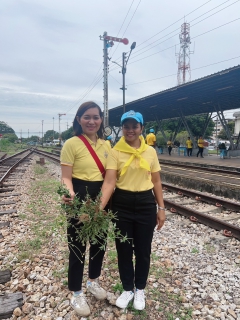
133	168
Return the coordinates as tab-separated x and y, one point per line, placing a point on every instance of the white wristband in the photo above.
160	208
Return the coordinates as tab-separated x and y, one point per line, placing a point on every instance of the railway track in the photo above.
177	200
219	214
218	223
11	173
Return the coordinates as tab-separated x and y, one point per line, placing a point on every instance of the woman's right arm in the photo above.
108	186
67	182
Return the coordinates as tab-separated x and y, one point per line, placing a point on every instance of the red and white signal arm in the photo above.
124	40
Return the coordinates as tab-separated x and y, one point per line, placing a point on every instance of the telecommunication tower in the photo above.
184	71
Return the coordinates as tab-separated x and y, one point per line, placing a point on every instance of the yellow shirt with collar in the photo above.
75	154
200	143
150	139
135	178
189	144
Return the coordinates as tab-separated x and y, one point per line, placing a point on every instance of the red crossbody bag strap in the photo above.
93	154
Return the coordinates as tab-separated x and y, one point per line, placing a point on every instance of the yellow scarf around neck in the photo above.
135	153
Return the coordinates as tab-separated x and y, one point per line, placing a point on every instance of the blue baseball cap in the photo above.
109	138
132	115
151	130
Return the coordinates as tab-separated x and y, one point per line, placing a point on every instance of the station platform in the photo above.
208	160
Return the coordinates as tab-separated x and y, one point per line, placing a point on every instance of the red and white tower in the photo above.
184	71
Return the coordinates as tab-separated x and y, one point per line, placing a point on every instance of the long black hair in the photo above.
77	129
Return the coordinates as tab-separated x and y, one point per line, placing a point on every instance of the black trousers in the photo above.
200	150
169	150
136	214
76	249
189	151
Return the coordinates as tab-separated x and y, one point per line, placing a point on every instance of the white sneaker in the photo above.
79	304
139	300
95	289
124	299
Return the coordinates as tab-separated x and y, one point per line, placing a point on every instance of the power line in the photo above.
171	75
191	38
96	78
168	27
121	28
135	55
178	32
174	23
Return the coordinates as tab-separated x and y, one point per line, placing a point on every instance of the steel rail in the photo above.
211	169
195	216
55	158
13	167
203	197
13	156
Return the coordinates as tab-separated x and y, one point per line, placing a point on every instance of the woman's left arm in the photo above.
157	189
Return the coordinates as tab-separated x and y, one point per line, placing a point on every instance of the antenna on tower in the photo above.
184	70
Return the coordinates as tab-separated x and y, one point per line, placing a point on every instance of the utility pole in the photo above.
53	129
42	133
21	135
124	70
59	115
67	125
184	54
107	43
28	133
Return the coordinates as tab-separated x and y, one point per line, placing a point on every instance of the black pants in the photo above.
169	150
136	214
189	151
76	249
200	150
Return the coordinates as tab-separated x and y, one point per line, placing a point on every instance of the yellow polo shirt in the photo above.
135	178
200	143
150	139
75	154
189	144
109	143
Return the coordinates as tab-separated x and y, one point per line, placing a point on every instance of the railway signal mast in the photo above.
184	55
107	43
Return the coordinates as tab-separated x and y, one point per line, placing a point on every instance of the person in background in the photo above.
81	175
189	145
169	145
200	143
151	138
109	141
133	168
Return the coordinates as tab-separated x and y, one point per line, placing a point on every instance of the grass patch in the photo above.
38	169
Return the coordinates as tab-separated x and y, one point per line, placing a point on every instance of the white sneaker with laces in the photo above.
95	289
139	300
80	305
124	299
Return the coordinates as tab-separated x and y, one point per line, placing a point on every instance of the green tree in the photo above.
182	137
11	137
222	134
5	128
67	134
48	136
196	124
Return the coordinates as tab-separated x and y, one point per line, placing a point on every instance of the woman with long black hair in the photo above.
81	175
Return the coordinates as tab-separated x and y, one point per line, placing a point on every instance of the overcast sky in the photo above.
51	54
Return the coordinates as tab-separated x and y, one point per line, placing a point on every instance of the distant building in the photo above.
218	126
237	123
